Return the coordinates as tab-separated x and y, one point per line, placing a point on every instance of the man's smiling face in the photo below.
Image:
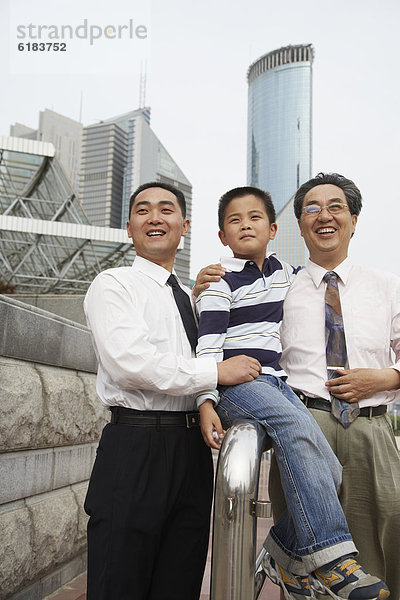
327	235
156	225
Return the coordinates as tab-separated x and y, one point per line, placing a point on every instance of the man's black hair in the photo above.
165	186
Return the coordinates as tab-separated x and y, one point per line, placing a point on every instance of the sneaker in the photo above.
259	580
294	587
348	580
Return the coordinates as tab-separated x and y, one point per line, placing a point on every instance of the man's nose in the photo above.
324	214
155	217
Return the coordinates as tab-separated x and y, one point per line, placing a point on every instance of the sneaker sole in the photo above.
274	577
259	581
329	592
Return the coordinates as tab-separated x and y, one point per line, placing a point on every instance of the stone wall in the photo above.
51	420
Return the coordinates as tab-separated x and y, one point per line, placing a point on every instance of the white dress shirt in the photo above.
370	301
145	359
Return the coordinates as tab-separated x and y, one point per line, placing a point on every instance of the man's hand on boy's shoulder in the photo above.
210	425
206	276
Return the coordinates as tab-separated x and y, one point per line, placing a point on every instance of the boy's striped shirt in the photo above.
242	314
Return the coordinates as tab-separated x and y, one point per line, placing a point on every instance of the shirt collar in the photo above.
236	264
317	272
151	269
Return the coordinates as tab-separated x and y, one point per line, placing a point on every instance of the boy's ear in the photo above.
222	237
273	228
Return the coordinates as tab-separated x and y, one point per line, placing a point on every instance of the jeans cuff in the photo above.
307	563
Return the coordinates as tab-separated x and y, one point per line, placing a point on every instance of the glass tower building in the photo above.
279	135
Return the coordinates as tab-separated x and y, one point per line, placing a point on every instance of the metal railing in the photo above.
236	508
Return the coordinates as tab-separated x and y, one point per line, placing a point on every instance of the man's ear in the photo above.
222	237
354	223
185	227
299	224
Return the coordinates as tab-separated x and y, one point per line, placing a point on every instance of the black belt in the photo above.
322	404
150	418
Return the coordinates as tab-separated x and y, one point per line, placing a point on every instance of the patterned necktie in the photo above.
185	309
336	351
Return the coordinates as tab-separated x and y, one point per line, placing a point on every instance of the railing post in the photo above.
233	562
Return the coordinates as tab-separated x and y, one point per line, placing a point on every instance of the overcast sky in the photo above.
197	58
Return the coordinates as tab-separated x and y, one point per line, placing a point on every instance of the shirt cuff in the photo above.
207	395
206	373
396	367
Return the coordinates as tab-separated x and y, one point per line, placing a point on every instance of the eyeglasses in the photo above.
334	209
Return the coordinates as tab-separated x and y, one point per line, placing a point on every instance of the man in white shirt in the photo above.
150	491
327	208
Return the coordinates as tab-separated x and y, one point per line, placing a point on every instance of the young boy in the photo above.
241	314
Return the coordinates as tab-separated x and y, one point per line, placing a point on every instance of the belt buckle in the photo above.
192	419
303	398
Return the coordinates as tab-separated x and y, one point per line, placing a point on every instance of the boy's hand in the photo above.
206	276
210	425
238	369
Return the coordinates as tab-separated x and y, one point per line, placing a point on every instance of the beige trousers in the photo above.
370	491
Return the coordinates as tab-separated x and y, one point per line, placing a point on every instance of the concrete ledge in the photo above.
28	473
68	305
36	335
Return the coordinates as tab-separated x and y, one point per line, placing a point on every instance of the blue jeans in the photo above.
313	530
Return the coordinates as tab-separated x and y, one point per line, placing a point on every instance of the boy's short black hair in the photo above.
165	186
240	192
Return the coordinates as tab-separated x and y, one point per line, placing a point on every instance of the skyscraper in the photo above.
118	155
279	135
149	160
64	133
101	182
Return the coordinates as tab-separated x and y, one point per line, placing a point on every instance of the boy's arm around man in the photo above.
213	306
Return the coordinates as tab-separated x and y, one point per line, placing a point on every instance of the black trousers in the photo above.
149	501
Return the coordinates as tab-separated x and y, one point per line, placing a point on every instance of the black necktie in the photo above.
336	349
185	308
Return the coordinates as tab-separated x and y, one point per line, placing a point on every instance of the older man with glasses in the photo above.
341	351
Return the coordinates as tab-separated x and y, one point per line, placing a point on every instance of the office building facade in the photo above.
118	155
104	151
279	144
66	136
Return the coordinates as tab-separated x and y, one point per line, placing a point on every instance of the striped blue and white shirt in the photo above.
242	314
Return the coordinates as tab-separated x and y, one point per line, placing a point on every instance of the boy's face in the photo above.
247	229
